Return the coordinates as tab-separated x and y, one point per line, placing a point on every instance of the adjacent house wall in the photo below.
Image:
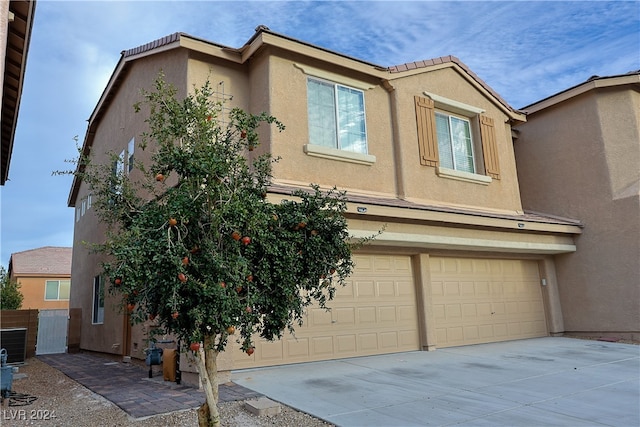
579	158
33	291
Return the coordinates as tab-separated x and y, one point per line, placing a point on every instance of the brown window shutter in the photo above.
427	139
489	147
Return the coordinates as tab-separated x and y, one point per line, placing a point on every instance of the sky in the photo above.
525	50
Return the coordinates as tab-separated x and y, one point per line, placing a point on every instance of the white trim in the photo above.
463	176
454	106
462	243
336	78
335	154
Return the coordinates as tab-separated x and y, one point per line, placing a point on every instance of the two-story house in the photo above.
578	155
424	150
44	276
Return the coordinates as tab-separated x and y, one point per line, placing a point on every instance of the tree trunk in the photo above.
206	363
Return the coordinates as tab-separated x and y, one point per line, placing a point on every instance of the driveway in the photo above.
535	382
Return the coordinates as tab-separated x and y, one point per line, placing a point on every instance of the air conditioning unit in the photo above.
14	340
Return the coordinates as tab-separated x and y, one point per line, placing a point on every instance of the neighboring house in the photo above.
16	22
578	155
44	275
424	151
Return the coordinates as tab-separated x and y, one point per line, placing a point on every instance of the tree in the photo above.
10	295
195	244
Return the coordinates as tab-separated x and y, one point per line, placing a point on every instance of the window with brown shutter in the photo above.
427	138
428	133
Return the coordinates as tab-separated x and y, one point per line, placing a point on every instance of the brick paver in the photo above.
128	385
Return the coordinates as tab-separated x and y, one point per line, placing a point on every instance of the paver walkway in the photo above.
128	385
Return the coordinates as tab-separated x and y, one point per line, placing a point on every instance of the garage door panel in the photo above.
365	289
484	300
375	313
386	289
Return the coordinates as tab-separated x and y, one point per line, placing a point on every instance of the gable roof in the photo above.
263	36
632	78
45	261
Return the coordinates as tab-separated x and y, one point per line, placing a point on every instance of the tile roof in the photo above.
400	203
48	260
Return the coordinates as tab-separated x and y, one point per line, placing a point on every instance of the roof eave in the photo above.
591	84
11	107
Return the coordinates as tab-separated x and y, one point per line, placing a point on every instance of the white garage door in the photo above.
486	300
375	313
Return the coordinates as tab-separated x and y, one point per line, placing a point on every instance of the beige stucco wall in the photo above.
277	84
116	128
580	159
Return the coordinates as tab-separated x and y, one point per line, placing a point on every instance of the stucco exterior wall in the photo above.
288	91
422	182
33	291
580	159
116	128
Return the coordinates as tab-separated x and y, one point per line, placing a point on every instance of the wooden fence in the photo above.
22	319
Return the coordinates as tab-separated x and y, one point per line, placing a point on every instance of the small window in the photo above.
84	207
98	300
57	290
78	214
336	116
130	151
89	202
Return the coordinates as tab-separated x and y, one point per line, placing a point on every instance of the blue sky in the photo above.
524	50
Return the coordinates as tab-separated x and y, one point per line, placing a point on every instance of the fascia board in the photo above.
381	213
454	218
580	89
461	243
264	39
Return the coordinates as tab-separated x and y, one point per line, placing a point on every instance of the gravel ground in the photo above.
60	401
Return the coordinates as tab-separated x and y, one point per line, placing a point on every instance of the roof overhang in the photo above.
631	79
20	24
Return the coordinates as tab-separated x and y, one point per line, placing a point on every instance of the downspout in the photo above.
395	138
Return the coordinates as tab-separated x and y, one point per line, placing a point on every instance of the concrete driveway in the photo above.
535	382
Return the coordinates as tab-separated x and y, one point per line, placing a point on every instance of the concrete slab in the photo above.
545	381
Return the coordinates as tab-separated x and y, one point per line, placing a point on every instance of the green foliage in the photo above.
194	241
10	295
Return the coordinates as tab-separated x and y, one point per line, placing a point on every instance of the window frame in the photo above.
472	136
97	303
336	112
130	155
482	133
58	288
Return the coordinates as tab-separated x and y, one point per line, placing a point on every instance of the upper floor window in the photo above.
336	116
455	145
457	139
57	290
130	151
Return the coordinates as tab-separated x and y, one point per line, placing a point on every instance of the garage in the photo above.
485	300
375	313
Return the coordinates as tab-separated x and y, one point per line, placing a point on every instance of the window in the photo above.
118	172
56	290
454	143
336	116
98	300
448	139
130	150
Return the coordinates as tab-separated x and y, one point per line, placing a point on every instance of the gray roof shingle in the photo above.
48	260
